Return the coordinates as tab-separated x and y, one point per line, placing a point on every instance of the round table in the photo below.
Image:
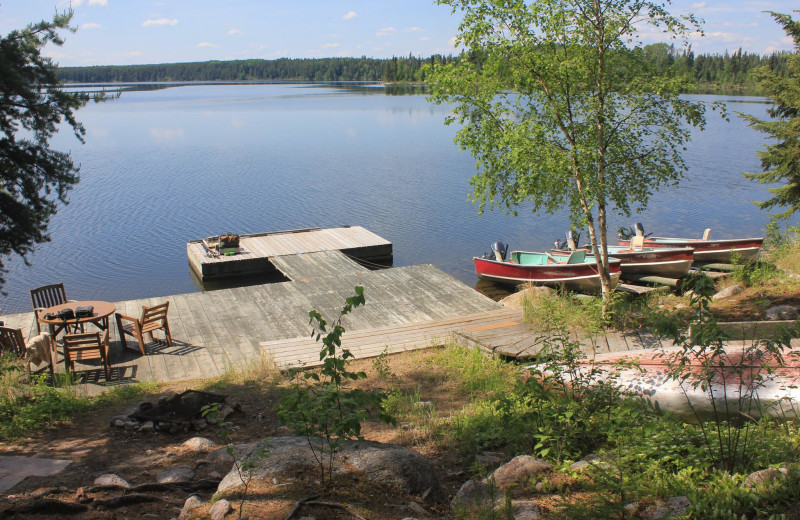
102	310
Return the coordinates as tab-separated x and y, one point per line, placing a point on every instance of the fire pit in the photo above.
181	412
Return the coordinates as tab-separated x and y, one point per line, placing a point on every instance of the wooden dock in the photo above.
260	253
215	331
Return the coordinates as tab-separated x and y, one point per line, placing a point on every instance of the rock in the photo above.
760	477
175	475
200	444
519	470
731	290
523	510
584	462
418	509
193	502
517	299
219	509
118	421
673	507
110	479
147	427
216	418
199	424
489	460
386	464
473	494
782	312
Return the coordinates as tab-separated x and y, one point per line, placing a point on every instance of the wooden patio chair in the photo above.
153	318
39	349
47	296
86	347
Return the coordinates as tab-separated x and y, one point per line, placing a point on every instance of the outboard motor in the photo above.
639	229
572	240
499	249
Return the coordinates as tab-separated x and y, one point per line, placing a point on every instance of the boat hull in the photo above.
582	277
747	249
669	262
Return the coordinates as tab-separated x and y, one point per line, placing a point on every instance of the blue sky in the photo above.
163	31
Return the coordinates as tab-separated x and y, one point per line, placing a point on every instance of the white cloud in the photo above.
329	45
135	53
351	15
699	5
413	29
206	44
160	21
235	31
91	25
98	2
386	31
424	38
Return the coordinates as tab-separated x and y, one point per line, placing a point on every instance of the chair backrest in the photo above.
706	233
637	242
11	341
577	257
157	314
85	341
47	296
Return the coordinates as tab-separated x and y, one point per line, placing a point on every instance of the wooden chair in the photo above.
85	347
153	318
47	296
12	341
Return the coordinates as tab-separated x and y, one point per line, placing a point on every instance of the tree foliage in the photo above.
35	178
561	107
781	161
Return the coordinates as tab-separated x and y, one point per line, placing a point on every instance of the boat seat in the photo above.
637	243
706	233
577	257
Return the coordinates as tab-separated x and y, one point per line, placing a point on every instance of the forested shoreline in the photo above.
705	71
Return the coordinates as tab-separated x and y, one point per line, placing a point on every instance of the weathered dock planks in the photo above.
257	251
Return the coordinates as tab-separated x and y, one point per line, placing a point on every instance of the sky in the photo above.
123	32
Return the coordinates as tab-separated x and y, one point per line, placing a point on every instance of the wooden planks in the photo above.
315	265
257	250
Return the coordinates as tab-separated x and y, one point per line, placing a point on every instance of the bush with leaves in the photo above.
317	405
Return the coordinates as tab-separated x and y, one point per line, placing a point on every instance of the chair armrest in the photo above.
124	317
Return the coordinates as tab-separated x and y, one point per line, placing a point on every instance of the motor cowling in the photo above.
500	250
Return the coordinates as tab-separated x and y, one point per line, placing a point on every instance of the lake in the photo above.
165	166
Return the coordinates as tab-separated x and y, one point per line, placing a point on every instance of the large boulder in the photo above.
731	290
387	464
782	312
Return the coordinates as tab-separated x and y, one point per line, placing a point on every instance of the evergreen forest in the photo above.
734	70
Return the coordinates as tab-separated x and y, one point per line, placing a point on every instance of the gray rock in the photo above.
147	427
473	494
760	477
418	510
219	509
193	502
731	290
110	479
673	507
584	462
199	424
523	509
118	421
519	470
175	475
387	464
782	312
216	418
490	459
200	444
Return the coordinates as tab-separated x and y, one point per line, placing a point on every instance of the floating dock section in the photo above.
265	253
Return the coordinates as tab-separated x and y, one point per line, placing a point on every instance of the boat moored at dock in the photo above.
705	249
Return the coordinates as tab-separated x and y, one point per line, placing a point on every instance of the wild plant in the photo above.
244	465
728	377
317	406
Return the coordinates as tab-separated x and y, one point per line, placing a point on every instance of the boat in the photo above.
668	262
705	249
575	272
764	387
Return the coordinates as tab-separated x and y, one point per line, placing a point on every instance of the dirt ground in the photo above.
96	449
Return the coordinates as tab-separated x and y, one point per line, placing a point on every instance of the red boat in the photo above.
575	272
706	250
669	262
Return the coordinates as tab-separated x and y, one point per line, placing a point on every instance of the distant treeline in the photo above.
729	70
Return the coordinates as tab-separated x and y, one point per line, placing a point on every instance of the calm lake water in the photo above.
162	167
